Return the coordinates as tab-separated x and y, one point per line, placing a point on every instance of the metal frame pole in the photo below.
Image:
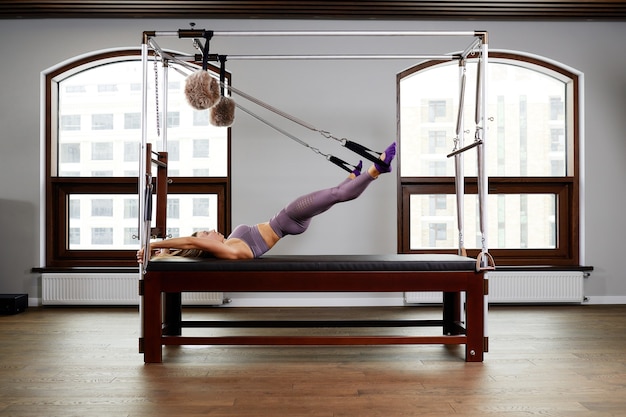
459	159
483	179
481	121
442	57
164	101
359	33
141	180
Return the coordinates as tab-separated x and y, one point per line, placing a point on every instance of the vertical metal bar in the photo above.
483	179
481	121
162	170
141	180
143	165
458	160
164	101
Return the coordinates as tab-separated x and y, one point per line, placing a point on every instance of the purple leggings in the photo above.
296	216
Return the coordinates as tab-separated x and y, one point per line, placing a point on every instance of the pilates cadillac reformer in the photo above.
210	93
204	91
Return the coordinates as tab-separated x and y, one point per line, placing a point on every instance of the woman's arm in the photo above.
234	249
185	242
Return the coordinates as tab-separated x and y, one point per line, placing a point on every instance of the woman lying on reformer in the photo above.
247	242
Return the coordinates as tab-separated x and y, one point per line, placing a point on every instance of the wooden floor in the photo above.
543	361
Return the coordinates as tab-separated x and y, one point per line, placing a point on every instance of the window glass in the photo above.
188	213
69	153
132	120
109	98
516	221
70	122
101	122
102	151
110	221
527	124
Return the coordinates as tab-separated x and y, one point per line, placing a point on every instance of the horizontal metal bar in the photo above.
344	33
465	148
166	33
325	33
339	57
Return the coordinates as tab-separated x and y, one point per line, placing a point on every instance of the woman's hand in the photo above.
140	256
156	253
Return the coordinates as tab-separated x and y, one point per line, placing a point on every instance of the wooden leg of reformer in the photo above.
172	314
152	322
451	313
475	321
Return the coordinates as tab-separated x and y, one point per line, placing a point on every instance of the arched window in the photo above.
93	137
532	160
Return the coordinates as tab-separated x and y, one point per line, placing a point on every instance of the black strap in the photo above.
341	163
205	54
365	152
222	59
147	215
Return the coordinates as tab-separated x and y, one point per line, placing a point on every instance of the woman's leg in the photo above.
296	216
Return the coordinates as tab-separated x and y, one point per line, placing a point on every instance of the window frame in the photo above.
58	189
565	188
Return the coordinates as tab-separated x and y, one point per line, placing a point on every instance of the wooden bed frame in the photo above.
164	281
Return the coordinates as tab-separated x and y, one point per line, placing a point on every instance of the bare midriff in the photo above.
269	236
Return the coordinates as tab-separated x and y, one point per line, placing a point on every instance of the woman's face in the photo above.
211	234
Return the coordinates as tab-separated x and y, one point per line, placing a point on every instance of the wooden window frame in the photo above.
565	188
59	189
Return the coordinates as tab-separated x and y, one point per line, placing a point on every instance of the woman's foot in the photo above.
386	157
357	169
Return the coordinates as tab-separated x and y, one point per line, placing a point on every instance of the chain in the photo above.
156	95
457	141
478	134
328	135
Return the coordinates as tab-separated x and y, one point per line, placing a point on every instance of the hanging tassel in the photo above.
202	90
223	113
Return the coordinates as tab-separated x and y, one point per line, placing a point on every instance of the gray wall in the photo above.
349	98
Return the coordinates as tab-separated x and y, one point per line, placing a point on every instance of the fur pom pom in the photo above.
202	90
223	113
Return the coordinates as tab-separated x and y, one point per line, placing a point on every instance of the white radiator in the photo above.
106	289
122	289
522	287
